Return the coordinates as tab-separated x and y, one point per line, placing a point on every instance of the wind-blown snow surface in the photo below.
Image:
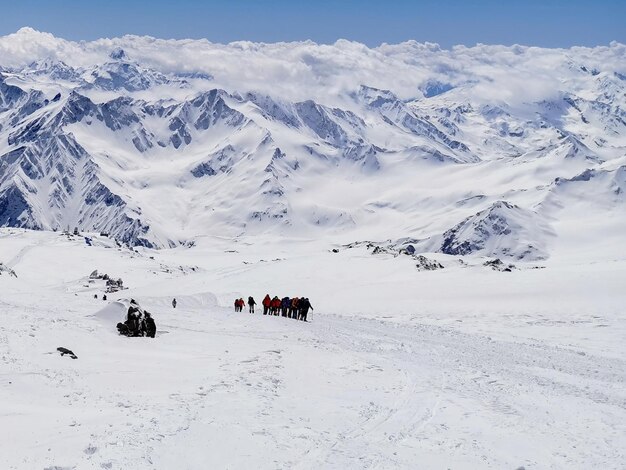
463	368
471	150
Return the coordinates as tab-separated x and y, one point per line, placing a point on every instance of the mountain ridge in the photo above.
157	158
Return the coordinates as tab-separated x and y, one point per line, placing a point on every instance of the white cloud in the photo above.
303	70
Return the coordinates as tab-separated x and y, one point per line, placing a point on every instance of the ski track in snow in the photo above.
490	375
18	257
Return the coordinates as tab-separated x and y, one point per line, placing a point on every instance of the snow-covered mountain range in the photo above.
491	150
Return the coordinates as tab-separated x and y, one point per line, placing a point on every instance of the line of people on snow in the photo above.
296	308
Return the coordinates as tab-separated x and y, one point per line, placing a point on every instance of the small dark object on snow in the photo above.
425	264
123	329
150	326
114	285
335	250
498	265
104	297
138	322
65	351
6	269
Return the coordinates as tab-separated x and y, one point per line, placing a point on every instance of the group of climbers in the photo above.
139	322
239	304
296	308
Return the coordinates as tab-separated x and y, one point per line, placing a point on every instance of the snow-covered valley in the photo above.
462	367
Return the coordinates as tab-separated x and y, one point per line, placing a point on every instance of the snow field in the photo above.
460	368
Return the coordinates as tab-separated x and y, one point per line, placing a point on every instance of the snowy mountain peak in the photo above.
374	97
435	88
119	54
502	230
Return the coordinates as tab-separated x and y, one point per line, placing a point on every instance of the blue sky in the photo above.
547	23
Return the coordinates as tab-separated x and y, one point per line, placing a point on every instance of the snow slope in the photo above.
464	367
